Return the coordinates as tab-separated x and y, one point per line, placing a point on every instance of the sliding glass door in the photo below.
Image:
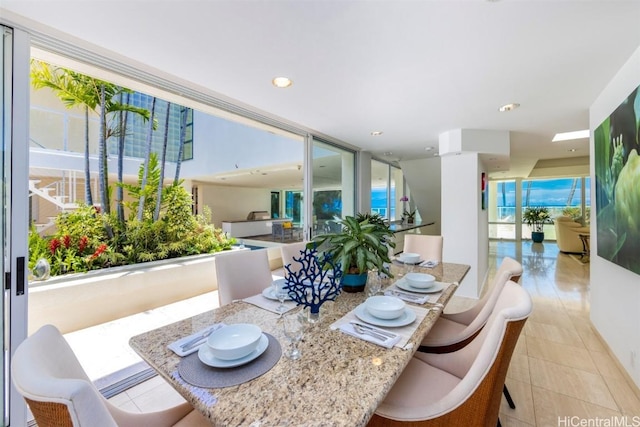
333	185
13	221
5	93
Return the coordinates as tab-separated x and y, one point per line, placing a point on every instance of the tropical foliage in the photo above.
160	224
536	217
362	245
87	239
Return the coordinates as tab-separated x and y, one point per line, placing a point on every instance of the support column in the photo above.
465	225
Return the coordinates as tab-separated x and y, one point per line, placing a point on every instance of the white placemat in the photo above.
405	332
261	301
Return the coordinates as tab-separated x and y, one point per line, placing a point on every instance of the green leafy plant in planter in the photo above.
362	245
536	217
409	216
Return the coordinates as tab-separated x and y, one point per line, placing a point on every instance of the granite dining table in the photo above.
339	380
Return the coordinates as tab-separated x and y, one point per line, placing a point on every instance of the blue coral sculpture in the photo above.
316	282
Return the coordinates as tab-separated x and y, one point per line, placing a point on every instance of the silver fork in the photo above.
189	344
360	330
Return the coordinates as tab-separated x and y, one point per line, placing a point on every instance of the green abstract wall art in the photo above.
617	164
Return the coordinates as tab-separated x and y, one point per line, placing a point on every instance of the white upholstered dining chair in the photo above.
429	247
288	252
454	330
241	274
462	387
46	372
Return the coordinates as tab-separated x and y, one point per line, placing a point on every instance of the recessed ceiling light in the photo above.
388	153
281	82
572	150
428	148
508	107
566	136
376	133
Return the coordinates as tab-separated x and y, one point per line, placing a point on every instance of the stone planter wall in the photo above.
83	300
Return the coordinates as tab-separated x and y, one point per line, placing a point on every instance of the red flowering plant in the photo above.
80	243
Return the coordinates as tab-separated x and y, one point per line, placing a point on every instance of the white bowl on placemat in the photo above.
409	258
385	307
234	341
420	280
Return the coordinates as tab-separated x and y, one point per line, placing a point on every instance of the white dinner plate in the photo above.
405	319
437	287
206	357
270	294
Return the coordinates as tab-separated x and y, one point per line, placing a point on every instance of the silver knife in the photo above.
407	295
379	331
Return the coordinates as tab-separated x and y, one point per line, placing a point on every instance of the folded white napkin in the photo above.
388	342
404	332
430	263
176	346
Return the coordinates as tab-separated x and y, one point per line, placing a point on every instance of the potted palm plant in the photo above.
536	217
362	244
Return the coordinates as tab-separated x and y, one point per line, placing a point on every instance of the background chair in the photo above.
288	252
463	387
568	234
46	372
429	247
242	274
282	230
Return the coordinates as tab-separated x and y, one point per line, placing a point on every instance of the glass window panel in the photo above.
333	185
397	184
380	188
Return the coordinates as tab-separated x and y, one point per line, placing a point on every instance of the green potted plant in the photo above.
362	244
410	216
536	217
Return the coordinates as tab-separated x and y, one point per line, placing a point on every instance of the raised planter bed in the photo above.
79	301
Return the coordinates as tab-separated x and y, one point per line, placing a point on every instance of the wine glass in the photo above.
281	294
293	330
374	283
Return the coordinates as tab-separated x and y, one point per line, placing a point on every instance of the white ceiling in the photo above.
412	69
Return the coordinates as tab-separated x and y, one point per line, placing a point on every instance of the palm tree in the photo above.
184	112
123	115
147	156
73	89
156	212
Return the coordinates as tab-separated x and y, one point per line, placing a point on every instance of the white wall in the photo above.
615	291
233	203
423	179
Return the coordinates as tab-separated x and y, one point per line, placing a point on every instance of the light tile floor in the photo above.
560	369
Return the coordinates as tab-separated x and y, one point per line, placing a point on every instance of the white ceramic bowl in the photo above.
234	341
420	280
385	307
410	257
